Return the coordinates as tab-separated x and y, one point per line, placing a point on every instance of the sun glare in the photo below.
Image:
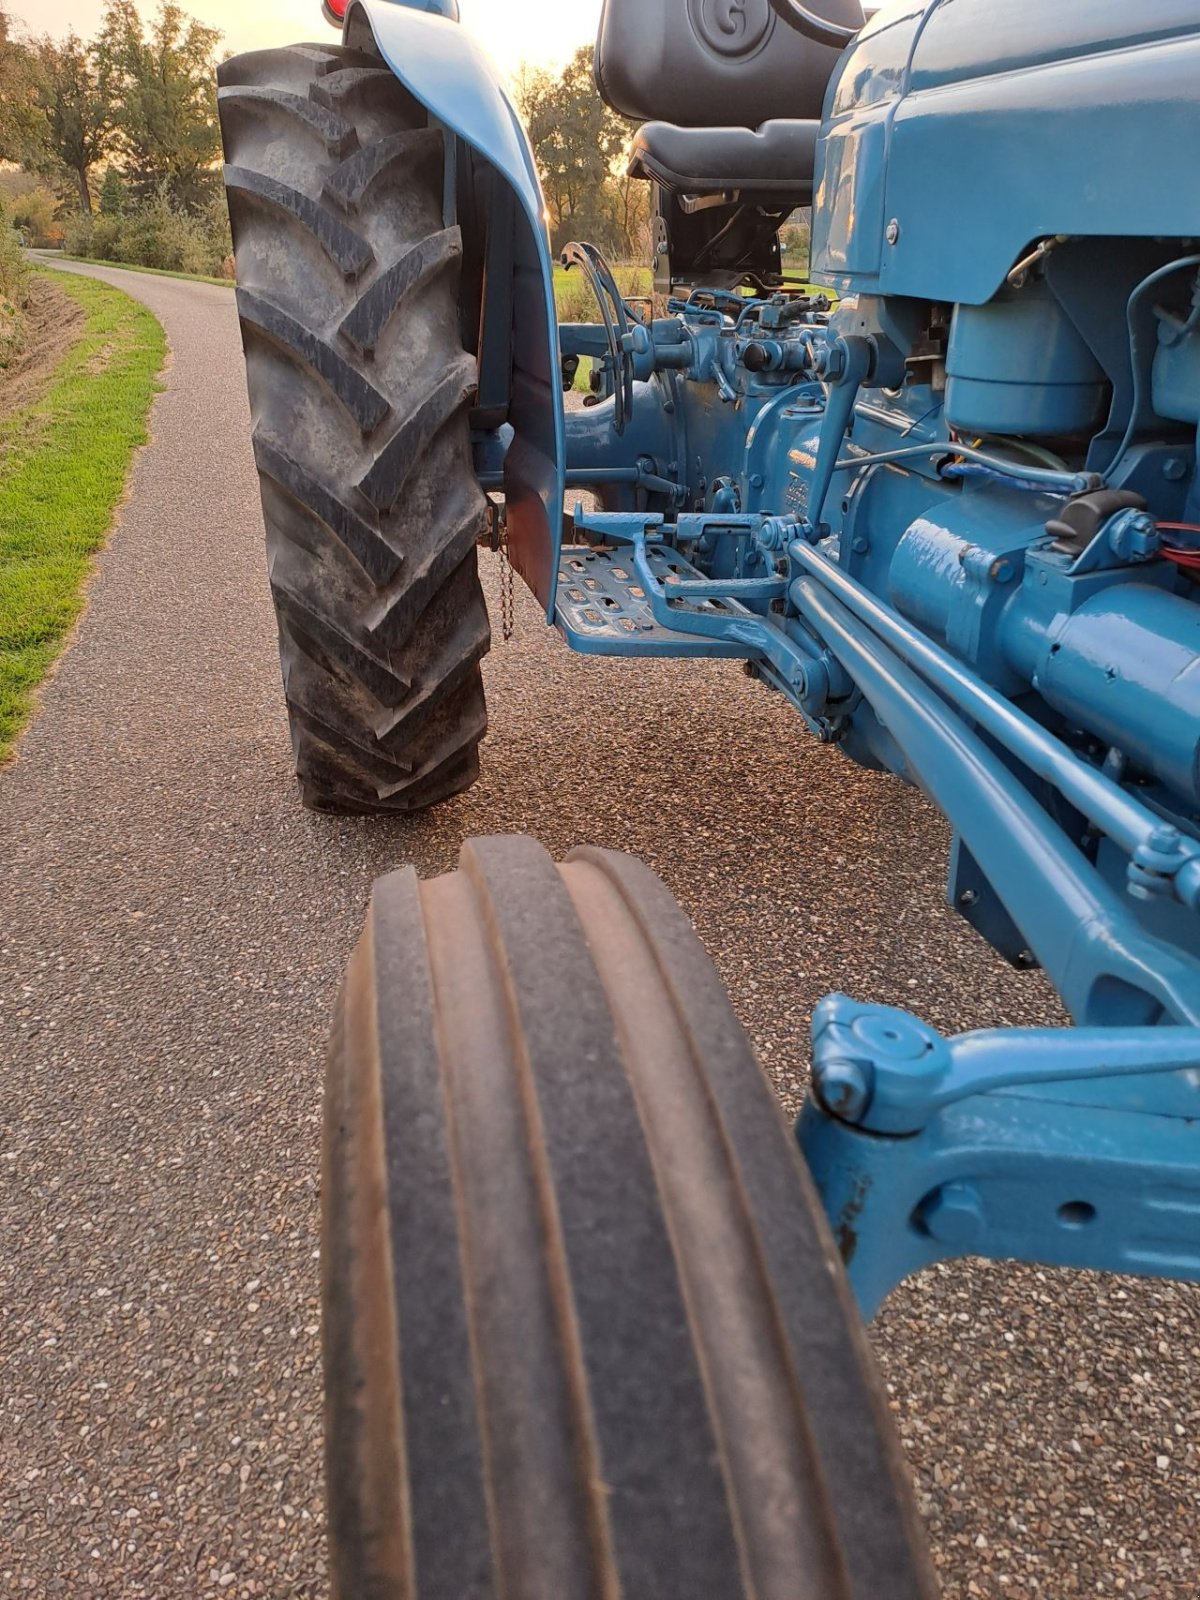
542	32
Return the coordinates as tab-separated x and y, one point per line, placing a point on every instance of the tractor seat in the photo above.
777	160
675	60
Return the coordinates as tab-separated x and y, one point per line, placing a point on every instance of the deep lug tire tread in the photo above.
360	392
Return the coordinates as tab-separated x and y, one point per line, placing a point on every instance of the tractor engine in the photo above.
986	420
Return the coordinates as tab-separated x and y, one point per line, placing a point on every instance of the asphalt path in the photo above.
172	931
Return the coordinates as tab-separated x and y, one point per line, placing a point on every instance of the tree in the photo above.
21	124
163	92
53	117
580	146
631	215
75	128
113	194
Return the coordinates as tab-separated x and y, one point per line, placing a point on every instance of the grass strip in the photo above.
153	272
63	464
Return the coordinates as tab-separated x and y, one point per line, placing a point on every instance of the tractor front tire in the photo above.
359	393
587	1336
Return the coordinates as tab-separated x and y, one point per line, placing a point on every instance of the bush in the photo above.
795	239
35	216
157	234
77	236
14	293
576	302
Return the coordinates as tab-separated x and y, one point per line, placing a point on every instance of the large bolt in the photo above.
1133	536
844	1088
1166	839
953	1214
829	361
1155	863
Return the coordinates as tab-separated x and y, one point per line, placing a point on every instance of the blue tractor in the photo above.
592	1318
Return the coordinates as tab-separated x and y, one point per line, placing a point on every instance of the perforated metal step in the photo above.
603	610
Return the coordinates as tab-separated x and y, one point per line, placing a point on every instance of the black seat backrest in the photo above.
700	63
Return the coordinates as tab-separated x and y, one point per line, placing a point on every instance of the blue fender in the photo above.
441	65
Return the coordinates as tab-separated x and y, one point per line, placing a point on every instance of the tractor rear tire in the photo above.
586	1333
359	392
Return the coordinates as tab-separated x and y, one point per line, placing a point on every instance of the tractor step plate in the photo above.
602	609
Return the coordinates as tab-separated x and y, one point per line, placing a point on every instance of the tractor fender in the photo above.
441	65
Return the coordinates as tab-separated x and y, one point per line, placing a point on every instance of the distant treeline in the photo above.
116	139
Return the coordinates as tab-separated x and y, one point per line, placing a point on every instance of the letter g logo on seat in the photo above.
731	17
731	27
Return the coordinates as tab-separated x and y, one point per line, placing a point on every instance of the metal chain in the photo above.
507	605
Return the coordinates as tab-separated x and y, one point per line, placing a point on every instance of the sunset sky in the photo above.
541	31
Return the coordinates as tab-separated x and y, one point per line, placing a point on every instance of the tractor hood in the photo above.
959	131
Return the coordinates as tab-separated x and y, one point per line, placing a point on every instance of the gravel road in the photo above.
172	929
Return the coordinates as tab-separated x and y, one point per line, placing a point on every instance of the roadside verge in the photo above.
64	458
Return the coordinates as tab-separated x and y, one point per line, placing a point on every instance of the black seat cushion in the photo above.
692	61
775	161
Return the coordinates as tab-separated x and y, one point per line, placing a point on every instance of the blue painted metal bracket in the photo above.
885	1071
1071	1147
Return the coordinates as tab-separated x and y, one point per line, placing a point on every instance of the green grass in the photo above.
154	272
576	303
630	280
63	465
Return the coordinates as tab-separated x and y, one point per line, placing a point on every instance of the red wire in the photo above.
1188	559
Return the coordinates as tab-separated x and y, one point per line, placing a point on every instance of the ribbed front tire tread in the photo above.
586	1333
